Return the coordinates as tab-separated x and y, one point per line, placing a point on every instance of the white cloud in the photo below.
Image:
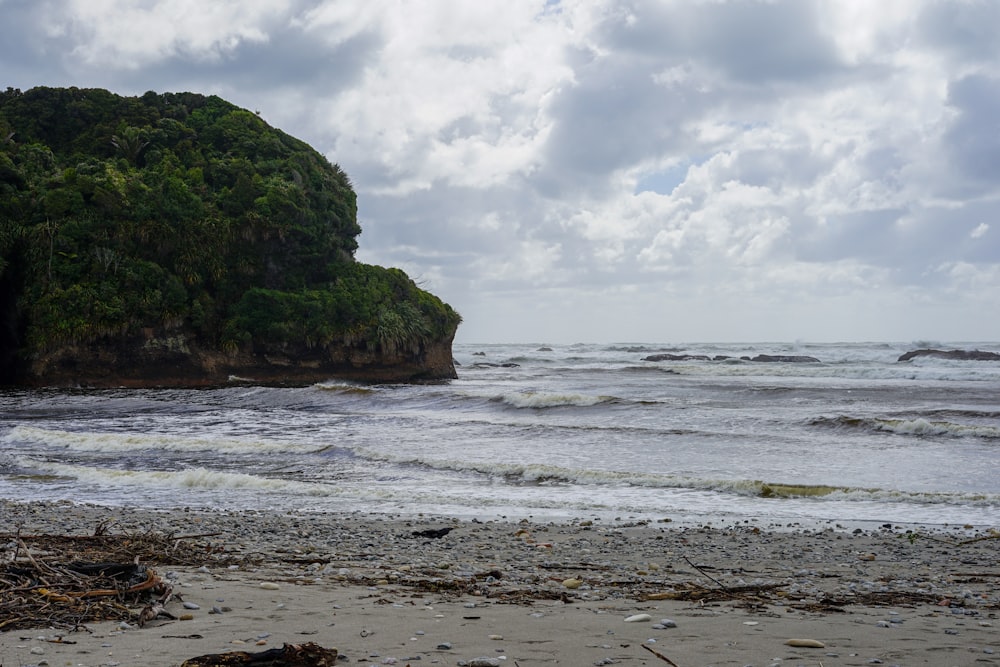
128	35
603	168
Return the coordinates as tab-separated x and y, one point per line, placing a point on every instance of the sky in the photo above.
612	171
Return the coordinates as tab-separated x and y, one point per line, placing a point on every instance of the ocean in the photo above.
550	432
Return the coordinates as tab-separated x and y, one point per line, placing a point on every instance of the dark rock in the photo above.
963	355
677	357
785	358
179	361
433	533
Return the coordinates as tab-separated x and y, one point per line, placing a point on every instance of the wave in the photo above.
344	388
541	400
918	427
188	478
549	475
130	442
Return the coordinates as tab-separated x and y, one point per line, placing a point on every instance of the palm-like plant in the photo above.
130	144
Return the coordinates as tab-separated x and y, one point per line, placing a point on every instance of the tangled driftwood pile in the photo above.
64	581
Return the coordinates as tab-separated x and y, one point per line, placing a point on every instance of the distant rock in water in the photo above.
785	358
788	359
963	355
677	357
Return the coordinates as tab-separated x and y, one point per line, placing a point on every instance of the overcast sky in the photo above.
610	171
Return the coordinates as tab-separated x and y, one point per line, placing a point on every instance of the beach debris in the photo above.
805	643
64	581
290	655
660	655
157	608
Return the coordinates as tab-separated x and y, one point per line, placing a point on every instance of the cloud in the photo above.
603	170
127	35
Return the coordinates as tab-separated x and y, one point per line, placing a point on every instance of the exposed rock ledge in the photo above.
766	358
965	355
178	362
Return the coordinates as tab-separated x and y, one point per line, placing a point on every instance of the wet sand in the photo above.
527	593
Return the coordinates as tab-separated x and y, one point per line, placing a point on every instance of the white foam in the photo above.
115	441
539	399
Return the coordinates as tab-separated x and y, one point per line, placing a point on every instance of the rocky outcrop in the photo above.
677	357
963	355
785	359
178	361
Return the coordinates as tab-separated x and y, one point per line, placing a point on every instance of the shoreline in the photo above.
534	593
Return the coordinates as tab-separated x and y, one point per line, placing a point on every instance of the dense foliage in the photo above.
181	211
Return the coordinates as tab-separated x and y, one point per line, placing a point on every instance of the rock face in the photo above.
180	362
964	355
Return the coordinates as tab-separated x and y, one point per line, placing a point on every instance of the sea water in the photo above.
552	432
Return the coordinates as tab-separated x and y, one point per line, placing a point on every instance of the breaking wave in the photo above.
95	441
541	400
189	478
918	427
541	475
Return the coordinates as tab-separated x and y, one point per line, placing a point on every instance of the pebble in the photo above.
668	623
571	583
482	662
444	646
191	605
805	643
639	618
269	586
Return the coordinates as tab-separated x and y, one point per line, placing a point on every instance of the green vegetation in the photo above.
183	212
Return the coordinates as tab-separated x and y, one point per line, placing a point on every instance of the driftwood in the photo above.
157	608
660	656
65	581
289	655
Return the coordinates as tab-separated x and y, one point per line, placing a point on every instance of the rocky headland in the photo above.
177	240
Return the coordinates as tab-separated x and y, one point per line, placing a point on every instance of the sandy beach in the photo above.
383	591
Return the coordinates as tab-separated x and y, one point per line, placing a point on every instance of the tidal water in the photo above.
549	432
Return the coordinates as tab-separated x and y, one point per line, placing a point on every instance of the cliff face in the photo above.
177	240
179	361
